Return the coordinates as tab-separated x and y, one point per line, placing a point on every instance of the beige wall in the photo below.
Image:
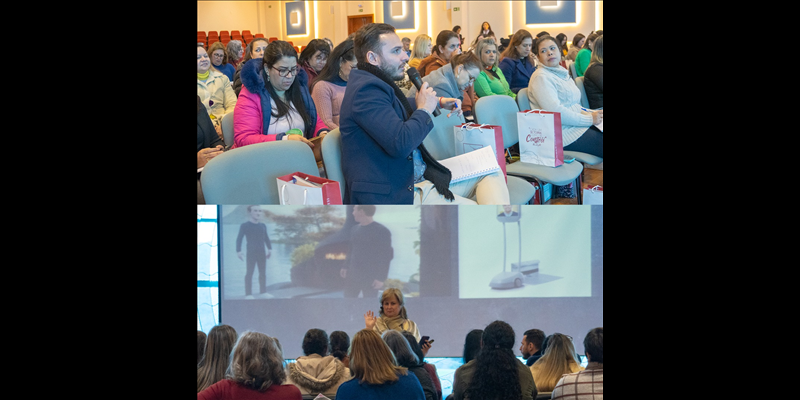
505	17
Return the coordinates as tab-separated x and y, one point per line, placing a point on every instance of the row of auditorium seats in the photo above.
240	176
224	36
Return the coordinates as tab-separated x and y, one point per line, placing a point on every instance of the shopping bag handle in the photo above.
283	196
535	110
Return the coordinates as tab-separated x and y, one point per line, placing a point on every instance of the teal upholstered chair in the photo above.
332	157
227	129
248	175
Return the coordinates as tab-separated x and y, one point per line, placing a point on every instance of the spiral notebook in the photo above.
472	165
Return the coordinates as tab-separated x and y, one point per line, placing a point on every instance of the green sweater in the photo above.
485	86
582	61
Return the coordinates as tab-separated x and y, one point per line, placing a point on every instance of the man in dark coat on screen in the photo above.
370	255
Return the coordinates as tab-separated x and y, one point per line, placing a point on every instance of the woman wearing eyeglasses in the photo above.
453	79
219	60
327	89
275	103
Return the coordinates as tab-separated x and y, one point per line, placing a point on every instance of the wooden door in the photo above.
357	21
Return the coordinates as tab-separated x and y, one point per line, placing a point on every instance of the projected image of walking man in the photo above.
370	255
259	249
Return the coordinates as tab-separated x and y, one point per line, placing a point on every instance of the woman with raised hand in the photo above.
392	315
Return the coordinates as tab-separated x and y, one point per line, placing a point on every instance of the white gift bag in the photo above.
593	195
470	137
300	189
540	137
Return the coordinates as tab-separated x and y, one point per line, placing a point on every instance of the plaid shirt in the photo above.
583	385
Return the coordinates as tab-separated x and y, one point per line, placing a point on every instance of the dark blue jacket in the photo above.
377	142
516	73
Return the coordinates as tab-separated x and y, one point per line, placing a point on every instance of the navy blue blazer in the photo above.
517	74
377	142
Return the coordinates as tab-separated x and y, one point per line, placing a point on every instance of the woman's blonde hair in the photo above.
558	359
398	295
421	43
256	362
371	360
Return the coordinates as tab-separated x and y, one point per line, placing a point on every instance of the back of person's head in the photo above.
403	353
201	344
558	359
343	52
371	360
256	362
368	39
467	59
396	294
441	40
496	375
412	341
315	342
597	51
535	336
312	47
233	48
543	33
516	39
339	344
421	43
218	46
472	344
216	357
593	344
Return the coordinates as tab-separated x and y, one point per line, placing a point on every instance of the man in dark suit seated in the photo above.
383	158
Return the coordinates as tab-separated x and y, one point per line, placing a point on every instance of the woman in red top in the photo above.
255	373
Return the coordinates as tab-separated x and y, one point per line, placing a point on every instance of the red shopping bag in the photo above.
302	189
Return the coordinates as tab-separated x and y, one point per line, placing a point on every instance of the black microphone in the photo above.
413	76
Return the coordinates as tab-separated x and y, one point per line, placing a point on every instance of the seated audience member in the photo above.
584	56
209	145
383	158
517	61
577	44
412	341
214	90
532	347
455	77
407	46
593	77
485	33
274	103
586	384
219	60
559	358
220	343
445	48
495	374
339	346
255	372
201	344
491	79
255	49
328	88
376	374
317	372
235	52
407	358
552	89
561	38
457	30
472	345
422	49
314	57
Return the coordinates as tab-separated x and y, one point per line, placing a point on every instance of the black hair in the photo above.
496	375
593	344
315	342
368	38
342	52
273	53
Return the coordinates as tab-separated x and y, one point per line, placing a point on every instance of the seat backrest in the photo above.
227	128
584	99
522	100
247	175
499	110
440	141
543	395
571	65
332	157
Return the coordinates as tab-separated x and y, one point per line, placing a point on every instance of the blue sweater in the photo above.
407	388
517	72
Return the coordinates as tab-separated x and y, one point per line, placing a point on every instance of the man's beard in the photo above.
393	72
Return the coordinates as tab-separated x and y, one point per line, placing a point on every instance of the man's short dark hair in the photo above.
368	209
593	344
368	38
315	342
535	336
